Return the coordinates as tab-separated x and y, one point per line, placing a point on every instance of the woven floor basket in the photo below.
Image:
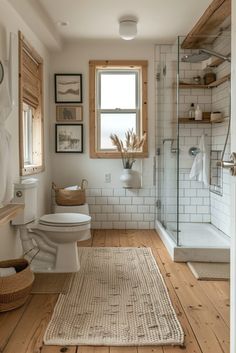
15	289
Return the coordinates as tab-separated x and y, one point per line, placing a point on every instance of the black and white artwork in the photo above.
69	113
68	88
69	138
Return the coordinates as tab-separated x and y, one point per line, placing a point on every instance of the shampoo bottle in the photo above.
198	113
191	112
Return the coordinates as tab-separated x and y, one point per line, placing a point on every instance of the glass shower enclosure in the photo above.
186	78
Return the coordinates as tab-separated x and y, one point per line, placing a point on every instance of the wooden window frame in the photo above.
38	120
95	65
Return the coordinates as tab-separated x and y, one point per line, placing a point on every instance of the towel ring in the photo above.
193	151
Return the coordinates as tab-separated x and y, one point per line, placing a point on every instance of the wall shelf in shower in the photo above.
211	85
191	85
216	62
219	81
191	121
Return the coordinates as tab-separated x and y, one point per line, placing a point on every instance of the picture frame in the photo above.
69	113
68	88
69	138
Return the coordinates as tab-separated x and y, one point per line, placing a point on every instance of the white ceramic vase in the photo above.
129	179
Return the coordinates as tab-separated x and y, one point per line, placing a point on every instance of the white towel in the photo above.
7	271
201	164
74	187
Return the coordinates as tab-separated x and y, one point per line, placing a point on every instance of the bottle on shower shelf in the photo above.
198	113
191	112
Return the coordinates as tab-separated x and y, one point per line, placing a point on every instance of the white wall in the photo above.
11	22
71	168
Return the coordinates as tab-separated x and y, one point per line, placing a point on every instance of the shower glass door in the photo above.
167	138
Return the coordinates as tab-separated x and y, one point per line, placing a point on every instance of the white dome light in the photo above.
128	29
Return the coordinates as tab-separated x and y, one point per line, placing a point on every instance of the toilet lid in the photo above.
64	219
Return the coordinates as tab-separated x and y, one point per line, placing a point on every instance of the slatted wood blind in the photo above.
30	92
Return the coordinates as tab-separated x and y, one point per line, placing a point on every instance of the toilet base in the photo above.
67	260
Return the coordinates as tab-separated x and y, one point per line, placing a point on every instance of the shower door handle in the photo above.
231	165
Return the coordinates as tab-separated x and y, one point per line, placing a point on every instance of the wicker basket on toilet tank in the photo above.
15	289
65	197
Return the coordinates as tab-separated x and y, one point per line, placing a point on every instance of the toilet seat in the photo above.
64	220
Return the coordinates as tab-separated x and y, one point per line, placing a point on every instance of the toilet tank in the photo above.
83	209
26	193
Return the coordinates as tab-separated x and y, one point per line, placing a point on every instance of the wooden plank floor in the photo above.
202	307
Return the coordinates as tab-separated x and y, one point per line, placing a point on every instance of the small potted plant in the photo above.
127	149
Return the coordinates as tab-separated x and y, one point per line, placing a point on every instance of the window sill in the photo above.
115	155
31	169
8	212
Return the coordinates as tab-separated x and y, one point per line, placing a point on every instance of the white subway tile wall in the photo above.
195	196
121	208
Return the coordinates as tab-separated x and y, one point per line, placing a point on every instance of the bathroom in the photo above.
167	200
111	206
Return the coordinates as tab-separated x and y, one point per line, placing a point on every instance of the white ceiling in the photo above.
158	20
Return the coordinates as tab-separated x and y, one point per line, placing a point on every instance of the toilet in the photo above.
50	242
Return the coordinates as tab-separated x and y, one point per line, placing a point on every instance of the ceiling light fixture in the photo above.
128	29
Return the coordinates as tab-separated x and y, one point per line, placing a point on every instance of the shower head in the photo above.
195	58
202	55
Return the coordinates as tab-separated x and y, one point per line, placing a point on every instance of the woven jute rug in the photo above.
52	283
210	271
117	298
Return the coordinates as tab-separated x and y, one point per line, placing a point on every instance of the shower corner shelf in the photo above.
182	120
191	85
211	85
192	121
8	212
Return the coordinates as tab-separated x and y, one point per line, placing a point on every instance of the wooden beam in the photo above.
209	22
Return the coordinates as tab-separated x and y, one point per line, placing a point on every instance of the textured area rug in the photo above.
52	283
117	298
210	271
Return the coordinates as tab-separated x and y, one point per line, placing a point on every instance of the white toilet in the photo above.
50	242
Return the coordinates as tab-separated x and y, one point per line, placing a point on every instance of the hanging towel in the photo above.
201	164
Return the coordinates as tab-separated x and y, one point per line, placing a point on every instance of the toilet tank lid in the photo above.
65	218
26	184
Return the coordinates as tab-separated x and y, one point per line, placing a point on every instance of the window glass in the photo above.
115	123
118	90
28	134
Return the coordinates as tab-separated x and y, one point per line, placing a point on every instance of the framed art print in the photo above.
69	113
69	138
68	88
